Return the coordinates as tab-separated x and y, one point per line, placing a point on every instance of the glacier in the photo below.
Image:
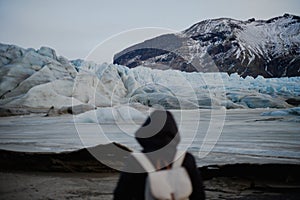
37	80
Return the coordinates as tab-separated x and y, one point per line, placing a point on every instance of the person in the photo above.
159	138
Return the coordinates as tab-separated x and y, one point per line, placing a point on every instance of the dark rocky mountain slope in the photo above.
270	48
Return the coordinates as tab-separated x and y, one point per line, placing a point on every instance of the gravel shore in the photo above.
48	185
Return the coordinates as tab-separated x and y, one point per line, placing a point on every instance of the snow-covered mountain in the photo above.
37	80
270	48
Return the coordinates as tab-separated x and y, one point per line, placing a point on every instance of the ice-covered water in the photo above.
247	136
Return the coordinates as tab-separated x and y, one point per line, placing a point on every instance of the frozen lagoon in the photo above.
246	137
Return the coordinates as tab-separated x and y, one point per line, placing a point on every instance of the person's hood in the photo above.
158	131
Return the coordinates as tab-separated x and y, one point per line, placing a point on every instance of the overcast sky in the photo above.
75	27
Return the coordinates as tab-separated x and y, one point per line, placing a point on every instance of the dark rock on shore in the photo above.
294	101
274	172
83	160
94	159
5	112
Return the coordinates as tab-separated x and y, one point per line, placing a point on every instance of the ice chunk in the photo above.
262	101
275	113
46	51
290	111
57	93
111	115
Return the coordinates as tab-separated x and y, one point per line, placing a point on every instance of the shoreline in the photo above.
70	176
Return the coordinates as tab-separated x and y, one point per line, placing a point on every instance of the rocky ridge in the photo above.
270	48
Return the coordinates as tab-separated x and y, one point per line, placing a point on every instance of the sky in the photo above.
76	28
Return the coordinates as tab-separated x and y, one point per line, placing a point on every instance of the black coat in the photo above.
159	137
131	186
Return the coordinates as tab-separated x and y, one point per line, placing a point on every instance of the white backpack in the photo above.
169	184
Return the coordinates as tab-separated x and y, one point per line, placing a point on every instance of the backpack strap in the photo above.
178	160
144	162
